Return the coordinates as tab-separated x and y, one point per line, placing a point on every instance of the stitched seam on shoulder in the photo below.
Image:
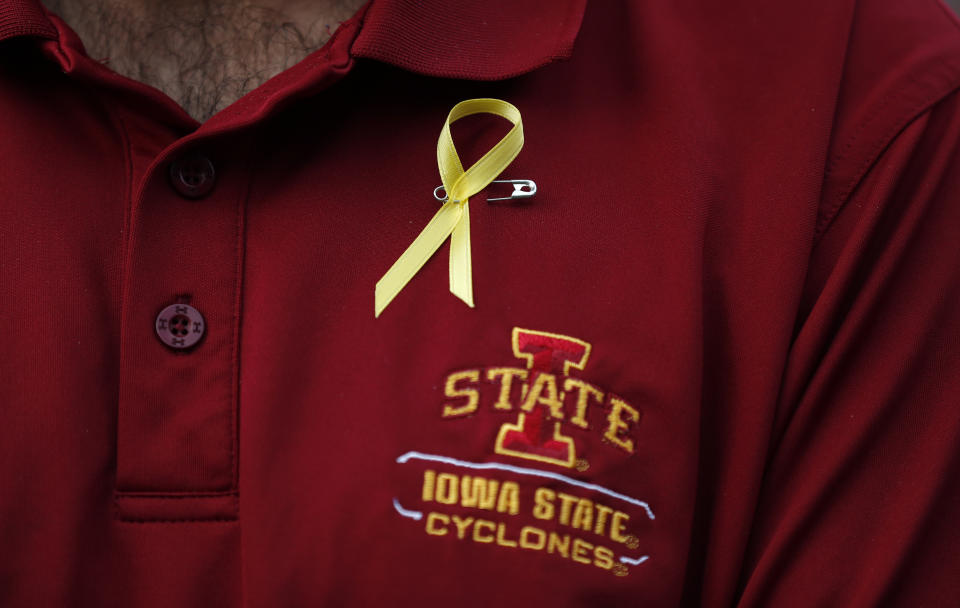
936	93
858	131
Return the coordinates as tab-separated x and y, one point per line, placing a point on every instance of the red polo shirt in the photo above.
714	361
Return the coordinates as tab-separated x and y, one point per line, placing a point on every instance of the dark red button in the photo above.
180	326
193	176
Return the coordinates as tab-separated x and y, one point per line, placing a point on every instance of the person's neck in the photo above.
205	54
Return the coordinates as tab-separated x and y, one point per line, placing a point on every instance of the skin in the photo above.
204	54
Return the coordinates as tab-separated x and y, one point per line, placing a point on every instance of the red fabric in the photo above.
476	42
747	209
24	18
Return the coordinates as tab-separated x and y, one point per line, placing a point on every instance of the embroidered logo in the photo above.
550	398
517	503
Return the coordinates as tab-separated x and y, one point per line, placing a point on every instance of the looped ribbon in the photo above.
453	218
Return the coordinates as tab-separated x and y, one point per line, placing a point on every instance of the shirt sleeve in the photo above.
861	495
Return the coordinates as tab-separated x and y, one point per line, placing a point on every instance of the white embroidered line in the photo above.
417	515
525	471
634	562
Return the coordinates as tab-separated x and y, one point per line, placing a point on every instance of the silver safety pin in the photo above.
522	188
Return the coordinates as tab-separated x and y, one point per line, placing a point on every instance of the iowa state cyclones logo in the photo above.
523	502
549	398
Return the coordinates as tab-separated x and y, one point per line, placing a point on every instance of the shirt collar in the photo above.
470	39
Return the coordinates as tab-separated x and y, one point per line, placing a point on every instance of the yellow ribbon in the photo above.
453	218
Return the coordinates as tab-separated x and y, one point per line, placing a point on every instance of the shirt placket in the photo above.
177	419
178	412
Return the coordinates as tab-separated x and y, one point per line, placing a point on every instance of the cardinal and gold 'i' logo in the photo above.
550	398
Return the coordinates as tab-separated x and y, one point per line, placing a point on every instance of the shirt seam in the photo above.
932	92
